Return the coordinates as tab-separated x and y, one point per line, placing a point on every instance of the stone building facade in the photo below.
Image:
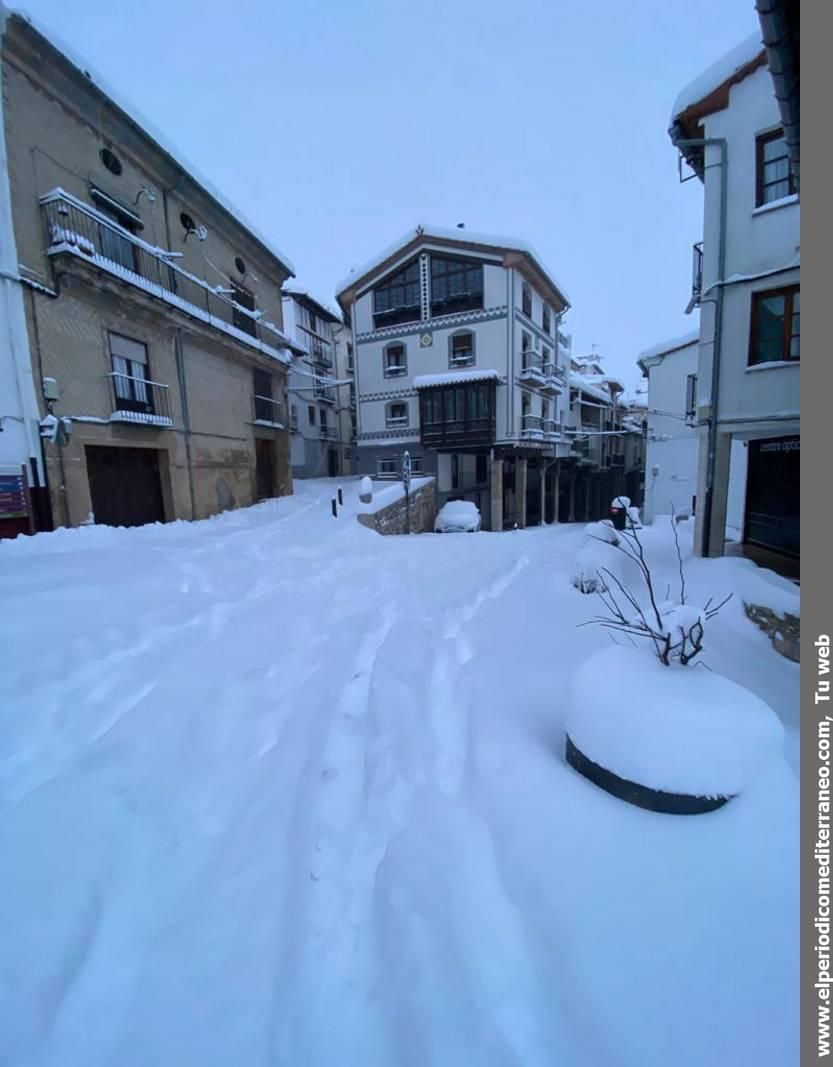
152	311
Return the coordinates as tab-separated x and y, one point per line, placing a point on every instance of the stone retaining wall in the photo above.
783	630
391	519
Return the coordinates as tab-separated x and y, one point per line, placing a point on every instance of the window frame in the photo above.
691	398
393	421
761	140
394	314
546	319
132	393
380	474
264	412
243	300
789	292
454	302
526	300
472	358
400	371
311	410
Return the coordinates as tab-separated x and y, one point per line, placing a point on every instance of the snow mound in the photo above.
677	729
601	531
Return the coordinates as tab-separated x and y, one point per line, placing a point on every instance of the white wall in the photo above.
671	454
757	240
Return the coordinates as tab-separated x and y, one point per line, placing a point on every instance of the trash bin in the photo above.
618	516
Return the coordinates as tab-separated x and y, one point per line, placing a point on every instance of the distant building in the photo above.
731	130
314	400
345	368
145	314
605	459
459	361
672	438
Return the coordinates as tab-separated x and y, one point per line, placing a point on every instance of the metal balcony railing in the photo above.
324	393
532	426
267	410
697	273
552	428
321	354
140	400
329	433
76	228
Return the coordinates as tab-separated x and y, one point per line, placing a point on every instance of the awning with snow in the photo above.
454	377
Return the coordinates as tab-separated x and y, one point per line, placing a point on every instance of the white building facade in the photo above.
747	284
458	362
315	424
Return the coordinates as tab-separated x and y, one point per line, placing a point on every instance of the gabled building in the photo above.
730	132
605	459
458	361
146	314
315	398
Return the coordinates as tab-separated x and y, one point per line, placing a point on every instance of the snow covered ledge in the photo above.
671	739
386	513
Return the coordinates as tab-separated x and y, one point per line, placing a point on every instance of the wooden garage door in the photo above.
125	485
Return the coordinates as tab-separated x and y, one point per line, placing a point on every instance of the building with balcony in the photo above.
142	301
739	137
315	398
347	404
606	457
459	360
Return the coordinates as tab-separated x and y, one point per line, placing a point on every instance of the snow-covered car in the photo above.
457	516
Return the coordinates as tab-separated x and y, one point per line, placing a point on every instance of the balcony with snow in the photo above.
532	427
77	230
139	401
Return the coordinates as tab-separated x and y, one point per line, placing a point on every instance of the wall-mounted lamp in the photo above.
149	193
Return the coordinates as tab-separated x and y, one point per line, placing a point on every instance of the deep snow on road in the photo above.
275	790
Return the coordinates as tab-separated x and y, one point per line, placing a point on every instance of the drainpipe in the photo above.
719	142
179	354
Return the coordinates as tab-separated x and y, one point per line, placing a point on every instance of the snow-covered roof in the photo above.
445	234
718	73
591	386
454	377
150	131
294	289
665	347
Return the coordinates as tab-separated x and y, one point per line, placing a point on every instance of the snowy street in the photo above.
275	790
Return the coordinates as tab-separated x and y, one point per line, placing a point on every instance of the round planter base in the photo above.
640	795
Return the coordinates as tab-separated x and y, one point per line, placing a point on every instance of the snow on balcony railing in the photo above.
532	426
329	433
75	227
140	400
267	412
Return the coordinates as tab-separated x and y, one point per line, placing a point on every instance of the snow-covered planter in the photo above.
667	738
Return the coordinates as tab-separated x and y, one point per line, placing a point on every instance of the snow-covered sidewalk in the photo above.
275	790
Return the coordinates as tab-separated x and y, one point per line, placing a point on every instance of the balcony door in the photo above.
131	380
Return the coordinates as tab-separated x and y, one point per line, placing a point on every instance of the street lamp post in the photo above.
406	481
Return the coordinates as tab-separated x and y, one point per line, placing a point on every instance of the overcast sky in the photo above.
338	126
